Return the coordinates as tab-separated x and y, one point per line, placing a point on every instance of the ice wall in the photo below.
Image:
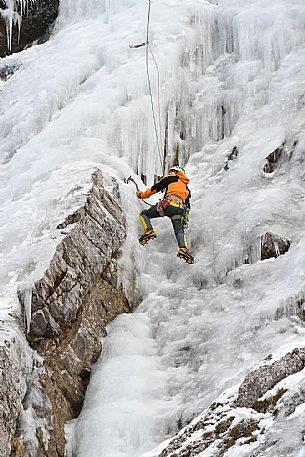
231	77
235	82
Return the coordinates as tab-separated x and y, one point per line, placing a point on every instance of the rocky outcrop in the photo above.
273	159
239	418
7	71
272	245
266	246
70	307
87	255
281	155
35	19
232	156
259	381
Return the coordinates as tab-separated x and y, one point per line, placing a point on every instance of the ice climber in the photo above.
175	204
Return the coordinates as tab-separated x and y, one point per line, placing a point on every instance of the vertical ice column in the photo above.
11	18
204	109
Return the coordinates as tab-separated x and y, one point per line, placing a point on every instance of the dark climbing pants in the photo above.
171	211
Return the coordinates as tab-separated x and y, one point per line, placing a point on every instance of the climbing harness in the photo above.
148	48
163	204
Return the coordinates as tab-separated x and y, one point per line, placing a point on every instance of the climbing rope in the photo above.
149	83
159	104
148	48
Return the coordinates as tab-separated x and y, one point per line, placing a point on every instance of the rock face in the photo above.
239	418
36	19
71	305
258	382
281	155
15	370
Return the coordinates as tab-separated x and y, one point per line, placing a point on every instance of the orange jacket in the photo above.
173	185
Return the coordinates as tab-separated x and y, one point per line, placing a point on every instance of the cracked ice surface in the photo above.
231	75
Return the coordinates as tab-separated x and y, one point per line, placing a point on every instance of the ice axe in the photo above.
130	179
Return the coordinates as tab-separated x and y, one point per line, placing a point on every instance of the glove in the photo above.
139	194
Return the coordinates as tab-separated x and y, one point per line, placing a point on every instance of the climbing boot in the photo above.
147	236
184	254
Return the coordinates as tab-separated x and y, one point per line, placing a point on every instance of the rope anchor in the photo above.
133	46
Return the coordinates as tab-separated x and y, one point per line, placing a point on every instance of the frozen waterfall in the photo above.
232	78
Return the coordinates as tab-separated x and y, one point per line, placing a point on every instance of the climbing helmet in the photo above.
176	168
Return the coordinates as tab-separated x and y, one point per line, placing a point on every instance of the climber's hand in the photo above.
138	193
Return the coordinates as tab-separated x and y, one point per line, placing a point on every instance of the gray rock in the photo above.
7	71
273	245
259	381
281	155
232	156
15	372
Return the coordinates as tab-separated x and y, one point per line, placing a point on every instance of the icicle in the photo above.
259	250
25	298
28	307
19	28
12	17
277	249
7	15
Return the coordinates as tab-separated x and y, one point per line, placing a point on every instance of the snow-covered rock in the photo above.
65	313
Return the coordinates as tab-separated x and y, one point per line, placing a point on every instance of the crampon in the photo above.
147	236
185	255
